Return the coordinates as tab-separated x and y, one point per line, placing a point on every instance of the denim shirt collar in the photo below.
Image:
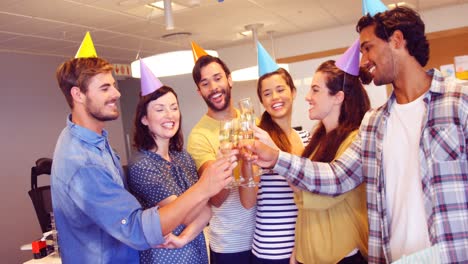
87	135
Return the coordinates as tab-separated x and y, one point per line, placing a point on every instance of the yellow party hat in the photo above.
86	49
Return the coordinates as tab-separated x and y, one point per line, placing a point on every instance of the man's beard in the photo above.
98	115
227	100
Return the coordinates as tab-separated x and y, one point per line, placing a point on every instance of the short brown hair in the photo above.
77	72
408	22
204	61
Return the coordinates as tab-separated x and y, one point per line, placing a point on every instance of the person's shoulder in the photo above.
70	156
452	95
70	149
202	131
456	88
139	158
202	125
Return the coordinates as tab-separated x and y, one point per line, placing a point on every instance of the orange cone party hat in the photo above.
86	49
197	51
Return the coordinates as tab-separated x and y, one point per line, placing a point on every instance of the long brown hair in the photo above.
324	145
266	122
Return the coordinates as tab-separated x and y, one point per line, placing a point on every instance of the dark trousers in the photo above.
354	259
230	258
256	260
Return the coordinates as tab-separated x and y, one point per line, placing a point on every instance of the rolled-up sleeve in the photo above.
152	226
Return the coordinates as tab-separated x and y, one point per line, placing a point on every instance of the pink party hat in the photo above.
149	82
373	7
349	61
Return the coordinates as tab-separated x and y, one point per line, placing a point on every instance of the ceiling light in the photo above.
246	33
160	5
391	6
169	63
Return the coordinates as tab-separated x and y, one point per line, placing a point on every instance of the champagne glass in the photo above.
228	141
246	133
246	106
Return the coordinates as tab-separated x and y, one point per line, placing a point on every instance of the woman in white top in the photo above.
273	240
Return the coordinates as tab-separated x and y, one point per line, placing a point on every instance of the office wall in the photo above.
32	114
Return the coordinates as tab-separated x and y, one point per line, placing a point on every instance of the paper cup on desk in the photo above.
461	67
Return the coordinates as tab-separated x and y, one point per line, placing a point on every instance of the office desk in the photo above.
50	259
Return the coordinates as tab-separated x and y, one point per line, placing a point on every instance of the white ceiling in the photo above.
123	28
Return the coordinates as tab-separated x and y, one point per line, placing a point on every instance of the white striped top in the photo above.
276	215
231	226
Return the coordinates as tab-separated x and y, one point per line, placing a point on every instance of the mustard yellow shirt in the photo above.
329	228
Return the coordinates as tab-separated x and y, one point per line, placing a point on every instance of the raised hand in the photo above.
262	155
264	137
218	174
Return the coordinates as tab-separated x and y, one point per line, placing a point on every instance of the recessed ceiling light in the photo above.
391	6
160	5
246	33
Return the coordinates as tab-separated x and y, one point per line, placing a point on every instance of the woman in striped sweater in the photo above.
273	240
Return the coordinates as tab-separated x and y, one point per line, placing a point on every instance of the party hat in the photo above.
149	82
373	7
349	61
197	51
86	49
265	63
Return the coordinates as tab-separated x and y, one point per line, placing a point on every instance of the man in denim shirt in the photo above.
411	151
98	220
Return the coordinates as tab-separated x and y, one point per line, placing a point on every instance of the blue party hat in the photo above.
349	61
265	63
149	82
373	7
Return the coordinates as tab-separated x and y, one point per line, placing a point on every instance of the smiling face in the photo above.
377	56
101	98
276	96
163	117
215	87
322	105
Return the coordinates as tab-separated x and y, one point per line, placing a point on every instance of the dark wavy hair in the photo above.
266	122
202	62
142	137
408	22
324	145
78	72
